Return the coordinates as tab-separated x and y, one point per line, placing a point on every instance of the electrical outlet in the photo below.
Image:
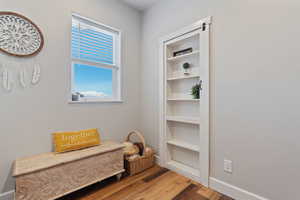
228	166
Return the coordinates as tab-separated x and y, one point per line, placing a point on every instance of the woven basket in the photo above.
143	162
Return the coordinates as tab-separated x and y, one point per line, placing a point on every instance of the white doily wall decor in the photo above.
19	36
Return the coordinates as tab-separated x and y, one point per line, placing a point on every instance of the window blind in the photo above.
92	42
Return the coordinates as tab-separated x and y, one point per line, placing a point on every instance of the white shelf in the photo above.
185	145
183	77
182	119
183	99
185	121
184	167
183	56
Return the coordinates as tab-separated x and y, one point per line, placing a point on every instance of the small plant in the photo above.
186	66
196	91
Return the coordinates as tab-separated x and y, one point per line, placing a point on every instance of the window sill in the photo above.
95	101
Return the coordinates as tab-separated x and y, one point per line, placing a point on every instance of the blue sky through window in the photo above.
92	81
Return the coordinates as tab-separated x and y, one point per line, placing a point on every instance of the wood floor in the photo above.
154	184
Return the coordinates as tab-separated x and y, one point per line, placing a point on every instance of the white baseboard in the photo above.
183	173
220	186
232	191
8	195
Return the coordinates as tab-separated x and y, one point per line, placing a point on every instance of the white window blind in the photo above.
92	42
96	63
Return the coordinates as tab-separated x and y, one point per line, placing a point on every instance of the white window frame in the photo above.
116	67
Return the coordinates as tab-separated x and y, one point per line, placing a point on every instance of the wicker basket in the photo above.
141	163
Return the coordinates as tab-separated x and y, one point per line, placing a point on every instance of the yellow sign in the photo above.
69	141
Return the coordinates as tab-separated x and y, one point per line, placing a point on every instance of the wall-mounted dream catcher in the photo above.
19	38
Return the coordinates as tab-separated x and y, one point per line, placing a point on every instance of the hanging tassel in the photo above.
6	80
22	77
36	74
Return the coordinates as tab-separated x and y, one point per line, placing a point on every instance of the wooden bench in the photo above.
50	176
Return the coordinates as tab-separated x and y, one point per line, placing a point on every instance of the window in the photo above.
95	61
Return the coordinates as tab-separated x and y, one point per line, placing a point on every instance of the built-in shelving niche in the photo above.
185	156
182	113
182	110
181	89
184	132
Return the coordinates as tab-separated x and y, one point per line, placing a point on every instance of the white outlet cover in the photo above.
228	166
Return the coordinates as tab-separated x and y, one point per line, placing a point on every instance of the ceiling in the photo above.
140	4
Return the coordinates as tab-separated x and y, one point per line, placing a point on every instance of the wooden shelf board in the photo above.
183	77
185	145
182	119
184	167
183	56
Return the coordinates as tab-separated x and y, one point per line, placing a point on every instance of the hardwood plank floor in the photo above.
154	184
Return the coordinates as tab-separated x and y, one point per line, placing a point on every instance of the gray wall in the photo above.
255	94
255	52
28	117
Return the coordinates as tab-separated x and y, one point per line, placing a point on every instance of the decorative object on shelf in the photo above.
19	36
186	67
182	52
140	161
196	91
